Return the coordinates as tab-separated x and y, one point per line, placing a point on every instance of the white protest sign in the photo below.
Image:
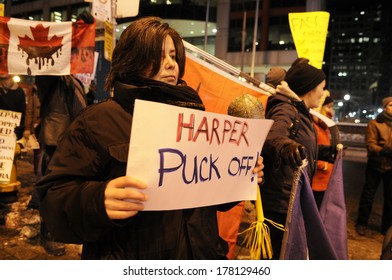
191	158
126	8
102	10
8	121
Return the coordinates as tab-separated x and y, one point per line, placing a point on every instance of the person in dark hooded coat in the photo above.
292	138
83	195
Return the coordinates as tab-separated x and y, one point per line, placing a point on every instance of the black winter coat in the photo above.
93	151
14	100
292	123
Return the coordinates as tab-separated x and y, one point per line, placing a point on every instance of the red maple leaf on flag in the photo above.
40	49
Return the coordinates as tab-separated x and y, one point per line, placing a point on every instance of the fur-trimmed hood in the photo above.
285	90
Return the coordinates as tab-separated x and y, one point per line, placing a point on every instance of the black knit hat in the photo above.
304	77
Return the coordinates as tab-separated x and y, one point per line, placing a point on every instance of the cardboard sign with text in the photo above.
8	121
191	158
309	30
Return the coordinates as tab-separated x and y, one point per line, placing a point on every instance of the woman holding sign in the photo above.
86	197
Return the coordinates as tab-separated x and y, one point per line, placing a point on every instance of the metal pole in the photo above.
114	26
243	41
206	25
228	68
252	68
114	22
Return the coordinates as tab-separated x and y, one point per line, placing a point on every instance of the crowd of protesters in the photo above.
85	197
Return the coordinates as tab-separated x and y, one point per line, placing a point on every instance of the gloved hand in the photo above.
293	154
327	153
386	152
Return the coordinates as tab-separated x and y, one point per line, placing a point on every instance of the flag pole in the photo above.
252	68
206	25
229	68
243	40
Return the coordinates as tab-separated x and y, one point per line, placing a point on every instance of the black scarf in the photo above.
384	117
125	93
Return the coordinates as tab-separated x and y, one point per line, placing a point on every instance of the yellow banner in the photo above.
1	9
108	43
309	31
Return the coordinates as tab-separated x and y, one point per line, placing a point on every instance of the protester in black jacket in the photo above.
292	138
13	98
83	195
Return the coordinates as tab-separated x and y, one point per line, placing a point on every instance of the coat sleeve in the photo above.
372	139
284	116
71	194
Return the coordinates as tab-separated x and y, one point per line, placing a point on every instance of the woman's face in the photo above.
313	97
168	73
388	109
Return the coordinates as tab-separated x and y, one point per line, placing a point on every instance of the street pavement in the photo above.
19	227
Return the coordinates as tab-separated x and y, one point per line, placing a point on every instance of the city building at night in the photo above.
357	57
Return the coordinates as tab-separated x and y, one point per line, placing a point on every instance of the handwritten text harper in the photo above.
211	130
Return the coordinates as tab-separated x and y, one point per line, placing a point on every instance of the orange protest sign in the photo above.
216	87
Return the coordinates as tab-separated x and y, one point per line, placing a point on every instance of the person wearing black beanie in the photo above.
303	77
291	142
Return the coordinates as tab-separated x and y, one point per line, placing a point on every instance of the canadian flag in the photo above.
46	48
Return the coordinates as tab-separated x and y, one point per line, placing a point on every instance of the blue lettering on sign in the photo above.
198	167
238	165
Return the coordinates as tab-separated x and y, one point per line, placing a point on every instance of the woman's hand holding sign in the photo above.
259	170
123	198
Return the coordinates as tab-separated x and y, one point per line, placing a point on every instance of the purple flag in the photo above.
333	210
294	244
310	235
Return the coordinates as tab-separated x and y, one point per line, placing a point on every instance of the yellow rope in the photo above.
257	238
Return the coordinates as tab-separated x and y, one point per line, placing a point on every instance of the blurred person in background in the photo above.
13	98
274	76
378	168
324	167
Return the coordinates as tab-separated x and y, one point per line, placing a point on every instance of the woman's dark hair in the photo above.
140	50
